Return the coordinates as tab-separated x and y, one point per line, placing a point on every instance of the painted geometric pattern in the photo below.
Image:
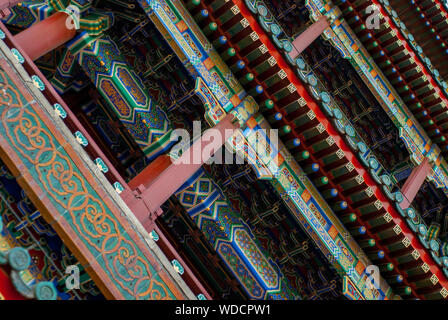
213	214
27	13
194	46
213	111
63	76
223	218
122	89
314	213
76	202
413	135
270	223
26	227
245	242
189	199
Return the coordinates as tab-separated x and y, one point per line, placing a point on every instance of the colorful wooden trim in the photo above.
26	13
83	214
194	50
122	89
360	278
231	238
411	132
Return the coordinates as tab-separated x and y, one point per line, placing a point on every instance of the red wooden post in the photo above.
46	35
308	36
414	182
153	190
151	172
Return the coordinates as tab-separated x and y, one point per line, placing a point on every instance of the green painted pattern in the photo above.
77	204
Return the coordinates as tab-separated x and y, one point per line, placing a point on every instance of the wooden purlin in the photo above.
377	192
223	31
94	152
199	251
41	198
402	118
362	60
432	17
419	62
7	291
416	88
222	88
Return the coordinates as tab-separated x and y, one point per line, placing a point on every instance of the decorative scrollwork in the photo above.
75	199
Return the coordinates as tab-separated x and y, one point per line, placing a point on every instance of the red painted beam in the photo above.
156	191
46	35
414	183
308	36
